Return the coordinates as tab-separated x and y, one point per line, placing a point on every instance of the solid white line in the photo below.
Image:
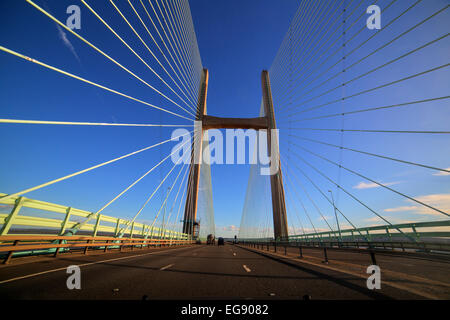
83	265
167	267
246	268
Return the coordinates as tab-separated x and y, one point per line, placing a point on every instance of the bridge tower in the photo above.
261	123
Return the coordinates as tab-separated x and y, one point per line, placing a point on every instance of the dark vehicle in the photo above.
211	240
220	242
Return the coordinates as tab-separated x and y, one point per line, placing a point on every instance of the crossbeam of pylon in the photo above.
210	122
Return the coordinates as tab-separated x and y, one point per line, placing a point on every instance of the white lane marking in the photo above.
246	268
167	267
85	264
321	265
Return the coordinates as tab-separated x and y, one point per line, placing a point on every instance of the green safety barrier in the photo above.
64	219
438	230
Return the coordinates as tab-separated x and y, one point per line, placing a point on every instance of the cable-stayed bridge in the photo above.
354	119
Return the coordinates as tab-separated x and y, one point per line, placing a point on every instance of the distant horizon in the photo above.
236	41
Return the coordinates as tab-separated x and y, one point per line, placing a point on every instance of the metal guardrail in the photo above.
421	238
436	249
418	231
53	244
54	220
397	246
67	218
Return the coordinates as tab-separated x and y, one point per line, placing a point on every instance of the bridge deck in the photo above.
200	272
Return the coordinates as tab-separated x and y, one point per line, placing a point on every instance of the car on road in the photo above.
220	242
211	239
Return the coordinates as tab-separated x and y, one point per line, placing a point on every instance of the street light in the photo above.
335	214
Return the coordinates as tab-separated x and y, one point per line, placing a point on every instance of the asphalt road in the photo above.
196	272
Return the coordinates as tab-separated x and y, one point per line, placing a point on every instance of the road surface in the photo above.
195	272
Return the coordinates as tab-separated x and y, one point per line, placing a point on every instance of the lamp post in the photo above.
335	214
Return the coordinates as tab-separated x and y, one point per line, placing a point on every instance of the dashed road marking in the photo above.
166	267
246	268
389	283
88	264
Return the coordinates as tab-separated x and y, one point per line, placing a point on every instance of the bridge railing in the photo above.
50	218
394	246
422	238
30	245
418	231
20	216
437	250
432	231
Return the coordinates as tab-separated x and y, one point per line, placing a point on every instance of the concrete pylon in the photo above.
262	123
190	209
280	225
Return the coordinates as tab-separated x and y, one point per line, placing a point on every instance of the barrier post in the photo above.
325	255
10	253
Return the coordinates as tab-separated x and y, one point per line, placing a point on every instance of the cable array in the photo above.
350	103
164	31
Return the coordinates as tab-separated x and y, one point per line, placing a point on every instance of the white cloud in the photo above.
373	219
439	201
365	185
370	185
66	41
230	228
377	221
400	209
227	231
311	230
442	173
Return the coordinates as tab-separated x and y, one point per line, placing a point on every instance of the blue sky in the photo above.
237	40
422	184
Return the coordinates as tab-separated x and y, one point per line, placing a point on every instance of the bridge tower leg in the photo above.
190	209
280	225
